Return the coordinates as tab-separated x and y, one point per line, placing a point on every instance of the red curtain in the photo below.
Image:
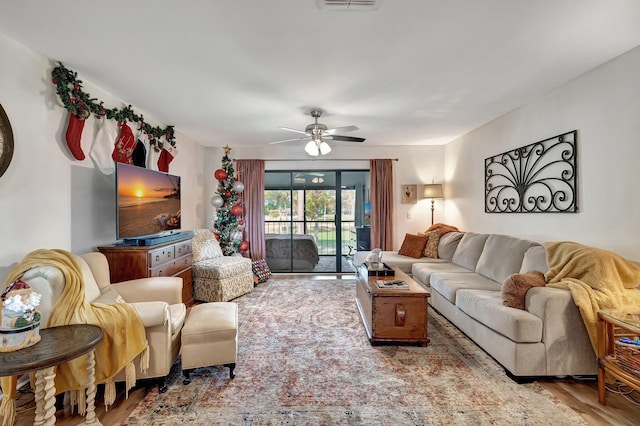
381	199
251	174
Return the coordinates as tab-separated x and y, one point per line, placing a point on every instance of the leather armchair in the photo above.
157	300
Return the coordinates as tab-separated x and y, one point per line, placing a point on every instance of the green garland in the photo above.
79	103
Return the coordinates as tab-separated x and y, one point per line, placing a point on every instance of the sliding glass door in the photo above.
311	219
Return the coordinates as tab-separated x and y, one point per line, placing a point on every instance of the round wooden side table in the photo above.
57	346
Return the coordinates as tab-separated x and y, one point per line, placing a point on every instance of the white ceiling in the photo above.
412	72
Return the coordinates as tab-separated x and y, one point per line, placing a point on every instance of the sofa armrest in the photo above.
152	313
564	334
165	289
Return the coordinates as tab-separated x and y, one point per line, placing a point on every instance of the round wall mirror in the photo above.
6	141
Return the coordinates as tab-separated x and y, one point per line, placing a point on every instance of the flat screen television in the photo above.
148	202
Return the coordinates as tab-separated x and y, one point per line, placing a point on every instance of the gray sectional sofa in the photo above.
547	338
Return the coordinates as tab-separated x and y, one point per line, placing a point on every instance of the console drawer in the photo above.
170	269
161	256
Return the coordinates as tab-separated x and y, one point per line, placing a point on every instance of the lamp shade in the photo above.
312	148
433	190
324	148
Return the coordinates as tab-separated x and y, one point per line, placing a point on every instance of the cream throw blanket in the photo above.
598	279
123	329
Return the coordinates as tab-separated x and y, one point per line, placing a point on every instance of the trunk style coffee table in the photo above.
392	315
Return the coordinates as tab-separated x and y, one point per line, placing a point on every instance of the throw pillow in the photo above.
261	271
413	245
516	286
205	249
431	249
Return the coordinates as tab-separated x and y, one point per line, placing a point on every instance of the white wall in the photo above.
415	165
48	199
604	106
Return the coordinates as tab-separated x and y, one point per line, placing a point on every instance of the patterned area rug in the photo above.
304	359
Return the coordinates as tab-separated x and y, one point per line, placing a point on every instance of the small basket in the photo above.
628	357
13	339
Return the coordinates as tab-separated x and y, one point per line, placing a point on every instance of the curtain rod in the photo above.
321	159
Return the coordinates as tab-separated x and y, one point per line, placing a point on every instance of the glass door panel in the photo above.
310	219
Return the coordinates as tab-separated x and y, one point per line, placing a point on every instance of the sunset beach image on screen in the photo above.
148	201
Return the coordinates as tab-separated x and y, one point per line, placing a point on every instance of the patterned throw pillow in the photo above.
431	249
205	246
413	245
261	271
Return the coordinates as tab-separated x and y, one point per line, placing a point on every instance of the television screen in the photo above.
148	202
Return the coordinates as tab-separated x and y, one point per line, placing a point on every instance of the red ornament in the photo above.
54	81
236	210
241	222
244	245
227	194
220	174
215	234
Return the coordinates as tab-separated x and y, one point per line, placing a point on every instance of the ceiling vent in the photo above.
351	5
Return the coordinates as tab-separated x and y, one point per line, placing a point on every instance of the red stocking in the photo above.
166	157
125	144
73	136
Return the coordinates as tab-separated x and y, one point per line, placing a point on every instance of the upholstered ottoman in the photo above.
210	337
221	279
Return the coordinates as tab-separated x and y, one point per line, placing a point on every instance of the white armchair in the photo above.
157	300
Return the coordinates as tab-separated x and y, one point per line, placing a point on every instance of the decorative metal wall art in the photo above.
537	178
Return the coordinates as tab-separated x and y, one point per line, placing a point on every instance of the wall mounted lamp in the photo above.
432	191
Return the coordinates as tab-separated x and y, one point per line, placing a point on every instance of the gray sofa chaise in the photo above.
547	338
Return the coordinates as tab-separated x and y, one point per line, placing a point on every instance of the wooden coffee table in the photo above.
392	316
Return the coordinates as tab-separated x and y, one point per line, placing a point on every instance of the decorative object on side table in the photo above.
20	327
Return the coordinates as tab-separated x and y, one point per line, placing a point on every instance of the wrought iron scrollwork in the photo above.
537	178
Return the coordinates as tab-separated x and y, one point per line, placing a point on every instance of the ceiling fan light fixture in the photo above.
312	148
324	148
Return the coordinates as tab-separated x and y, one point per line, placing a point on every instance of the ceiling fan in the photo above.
318	134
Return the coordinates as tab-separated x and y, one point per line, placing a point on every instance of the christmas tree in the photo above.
228	223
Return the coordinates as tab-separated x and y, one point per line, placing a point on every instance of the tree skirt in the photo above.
304	358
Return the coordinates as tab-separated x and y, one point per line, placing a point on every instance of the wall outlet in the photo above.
409	215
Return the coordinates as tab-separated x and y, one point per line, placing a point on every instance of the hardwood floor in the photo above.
580	395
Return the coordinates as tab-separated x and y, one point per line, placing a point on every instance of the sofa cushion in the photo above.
535	259
469	250
448	283
502	256
486	307
390	258
421	271
515	288
448	244
413	245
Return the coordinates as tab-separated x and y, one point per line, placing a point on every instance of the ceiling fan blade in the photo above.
293	130
291	140
344	138
343	129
